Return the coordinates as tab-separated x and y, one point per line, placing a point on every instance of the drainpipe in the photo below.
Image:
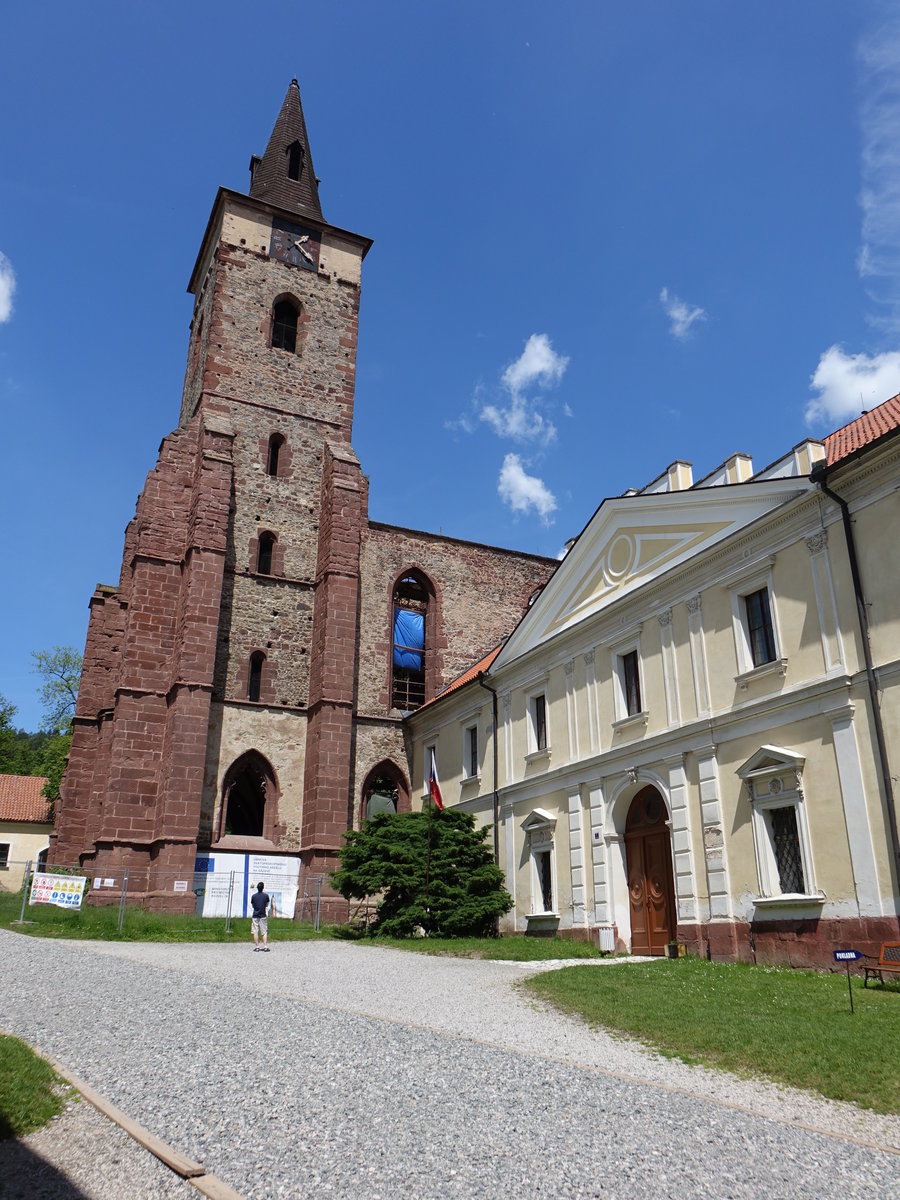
818	476
488	688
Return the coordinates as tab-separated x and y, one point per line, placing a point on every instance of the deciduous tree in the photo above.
60	669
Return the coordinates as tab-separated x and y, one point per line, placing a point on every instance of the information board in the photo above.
66	891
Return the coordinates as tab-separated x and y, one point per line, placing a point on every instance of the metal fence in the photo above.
295	894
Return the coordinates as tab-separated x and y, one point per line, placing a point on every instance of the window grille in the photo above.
786	845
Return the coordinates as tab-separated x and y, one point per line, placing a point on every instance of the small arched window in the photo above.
276	441
254	682
410	607
284	326
264	553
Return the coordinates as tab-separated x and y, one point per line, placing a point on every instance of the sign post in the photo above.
847	957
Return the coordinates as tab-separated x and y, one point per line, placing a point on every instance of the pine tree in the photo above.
455	890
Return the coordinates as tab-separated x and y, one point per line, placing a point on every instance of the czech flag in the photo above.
434	787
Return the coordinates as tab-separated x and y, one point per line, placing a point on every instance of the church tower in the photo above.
243	685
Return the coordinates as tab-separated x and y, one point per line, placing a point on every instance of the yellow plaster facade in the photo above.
687	729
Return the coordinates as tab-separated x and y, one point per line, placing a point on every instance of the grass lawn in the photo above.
30	1090
46	920
795	1027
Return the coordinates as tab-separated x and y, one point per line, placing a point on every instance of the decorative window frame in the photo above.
539	828
618	653
741	585
774	780
535	752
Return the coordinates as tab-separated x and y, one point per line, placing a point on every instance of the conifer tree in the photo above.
455	890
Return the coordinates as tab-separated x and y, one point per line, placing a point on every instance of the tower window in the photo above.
295	160
254	683
264	553
284	326
408	657
276	441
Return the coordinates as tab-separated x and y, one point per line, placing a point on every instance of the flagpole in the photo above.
428	857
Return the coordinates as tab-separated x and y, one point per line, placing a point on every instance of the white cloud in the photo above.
681	315
878	260
524	493
848	383
538	366
7	288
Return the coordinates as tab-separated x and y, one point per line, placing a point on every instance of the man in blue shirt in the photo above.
259	923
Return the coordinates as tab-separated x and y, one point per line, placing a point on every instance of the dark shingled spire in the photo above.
284	176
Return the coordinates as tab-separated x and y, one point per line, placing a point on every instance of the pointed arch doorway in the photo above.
648	857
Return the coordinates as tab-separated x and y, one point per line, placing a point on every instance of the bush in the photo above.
455	891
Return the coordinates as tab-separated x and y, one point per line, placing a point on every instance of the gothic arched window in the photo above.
410	610
285	314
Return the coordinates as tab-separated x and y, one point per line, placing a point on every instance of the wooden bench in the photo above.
887	963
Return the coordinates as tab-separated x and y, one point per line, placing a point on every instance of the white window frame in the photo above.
535	751
618	655
539	827
469	728
740	588
4	862
774	779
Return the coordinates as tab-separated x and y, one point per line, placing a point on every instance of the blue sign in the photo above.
847	955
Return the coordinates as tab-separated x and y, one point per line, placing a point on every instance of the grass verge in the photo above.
794	1027
509	948
31	1092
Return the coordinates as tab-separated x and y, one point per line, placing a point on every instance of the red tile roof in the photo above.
863	431
467	676
21	799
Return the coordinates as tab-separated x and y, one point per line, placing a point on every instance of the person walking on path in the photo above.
259	902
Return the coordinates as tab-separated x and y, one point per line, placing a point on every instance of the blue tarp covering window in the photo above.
409	639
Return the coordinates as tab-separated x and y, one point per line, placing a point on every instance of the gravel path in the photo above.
362	1072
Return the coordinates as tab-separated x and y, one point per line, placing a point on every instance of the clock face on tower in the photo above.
295	244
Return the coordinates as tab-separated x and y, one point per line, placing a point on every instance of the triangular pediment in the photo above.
537	819
633	540
769	760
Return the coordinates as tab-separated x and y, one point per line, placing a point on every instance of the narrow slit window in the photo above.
276	441
539	720
264	553
254	684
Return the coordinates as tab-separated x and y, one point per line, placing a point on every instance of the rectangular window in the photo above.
539	721
4	855
471	751
786	849
760	633
543	867
631	683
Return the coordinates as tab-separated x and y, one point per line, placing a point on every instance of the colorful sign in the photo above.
226	881
66	891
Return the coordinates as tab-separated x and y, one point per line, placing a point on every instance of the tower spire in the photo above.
284	175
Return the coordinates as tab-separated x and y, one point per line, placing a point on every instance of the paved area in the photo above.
359	1071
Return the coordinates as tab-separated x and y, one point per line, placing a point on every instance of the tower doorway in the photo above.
648	857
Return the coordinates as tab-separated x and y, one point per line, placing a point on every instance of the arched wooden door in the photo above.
648	856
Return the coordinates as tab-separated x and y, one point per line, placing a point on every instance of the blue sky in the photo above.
606	236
